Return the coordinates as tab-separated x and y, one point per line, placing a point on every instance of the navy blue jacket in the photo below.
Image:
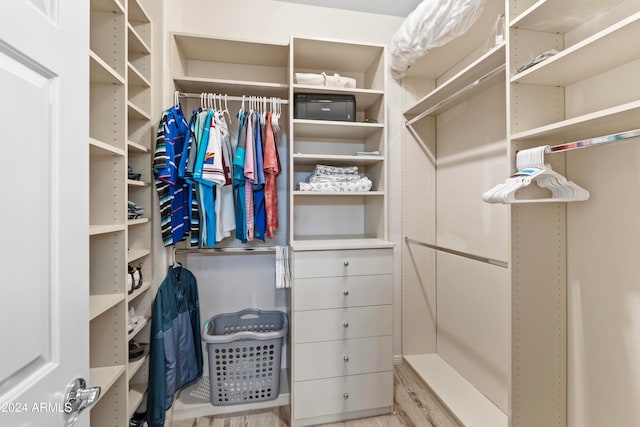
176	348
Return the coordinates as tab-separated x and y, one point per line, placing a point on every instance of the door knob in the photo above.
345	292
345	324
78	398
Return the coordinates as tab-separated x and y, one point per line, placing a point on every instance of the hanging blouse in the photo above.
271	169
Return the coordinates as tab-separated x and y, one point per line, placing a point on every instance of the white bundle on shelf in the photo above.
336	179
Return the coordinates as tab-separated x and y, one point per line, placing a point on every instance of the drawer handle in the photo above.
346	358
346	263
345	396
345	292
345	324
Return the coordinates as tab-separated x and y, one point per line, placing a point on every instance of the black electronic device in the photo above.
318	106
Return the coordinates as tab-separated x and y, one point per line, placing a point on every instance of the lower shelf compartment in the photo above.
104	377
136	394
194	401
462	399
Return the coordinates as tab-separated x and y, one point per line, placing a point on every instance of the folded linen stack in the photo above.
336	179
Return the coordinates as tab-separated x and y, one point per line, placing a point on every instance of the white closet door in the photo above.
44	77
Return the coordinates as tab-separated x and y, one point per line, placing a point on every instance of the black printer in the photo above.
319	106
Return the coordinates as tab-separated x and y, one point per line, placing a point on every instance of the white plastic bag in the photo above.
433	23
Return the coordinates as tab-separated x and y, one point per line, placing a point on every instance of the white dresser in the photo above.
342	325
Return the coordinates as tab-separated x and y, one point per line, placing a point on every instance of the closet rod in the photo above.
491	261
568	146
213	251
457	94
230	98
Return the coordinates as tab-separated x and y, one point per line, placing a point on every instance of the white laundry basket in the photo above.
244	355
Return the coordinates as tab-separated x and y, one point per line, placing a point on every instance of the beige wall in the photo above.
274	21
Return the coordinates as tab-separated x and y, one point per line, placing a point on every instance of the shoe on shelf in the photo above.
133	319
137	349
133	175
139	419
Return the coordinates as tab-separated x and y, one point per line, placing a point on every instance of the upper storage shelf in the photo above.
464	84
589	57
363	62
559	16
439	60
234	67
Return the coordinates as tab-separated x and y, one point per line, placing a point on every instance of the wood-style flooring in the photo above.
413	403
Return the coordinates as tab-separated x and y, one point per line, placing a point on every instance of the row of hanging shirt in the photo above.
211	182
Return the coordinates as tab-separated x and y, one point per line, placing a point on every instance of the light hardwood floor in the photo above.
414	406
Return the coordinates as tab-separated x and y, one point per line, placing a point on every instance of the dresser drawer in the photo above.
335	292
343	394
344	357
342	323
355	262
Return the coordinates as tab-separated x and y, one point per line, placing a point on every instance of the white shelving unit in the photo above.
543	322
454	103
233	67
120	88
341	231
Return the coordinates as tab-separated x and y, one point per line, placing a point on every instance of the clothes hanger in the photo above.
176	99
532	169
226	109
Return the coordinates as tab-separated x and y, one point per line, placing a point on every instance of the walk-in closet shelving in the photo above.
323	216
334	235
232	67
455	311
236	68
119	136
588	89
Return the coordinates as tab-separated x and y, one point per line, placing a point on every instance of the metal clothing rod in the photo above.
231	98
457	94
606	139
491	261
213	251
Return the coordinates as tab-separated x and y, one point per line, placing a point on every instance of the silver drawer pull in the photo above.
345	292
346	358
345	396
346	263
345	324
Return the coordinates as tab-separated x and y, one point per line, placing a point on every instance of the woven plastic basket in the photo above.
244	355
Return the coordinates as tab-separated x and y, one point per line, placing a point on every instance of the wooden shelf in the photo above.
312	159
194	400
468	75
204	48
99	148
134	366
338	193
136	254
137	12
334	130
439	60
469	405
138	148
141	324
107	6
136	43
551	16
136	293
231	87
587	58
612	120
137	183
365	98
138	221
329	243
104	378
135	77
136	113
334	56
136	394
101	72
105	229
98	304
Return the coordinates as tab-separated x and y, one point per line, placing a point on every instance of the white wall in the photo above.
273	21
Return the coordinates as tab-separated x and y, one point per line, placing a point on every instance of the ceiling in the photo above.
385	7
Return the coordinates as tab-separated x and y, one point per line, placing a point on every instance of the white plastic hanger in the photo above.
532	169
176	99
